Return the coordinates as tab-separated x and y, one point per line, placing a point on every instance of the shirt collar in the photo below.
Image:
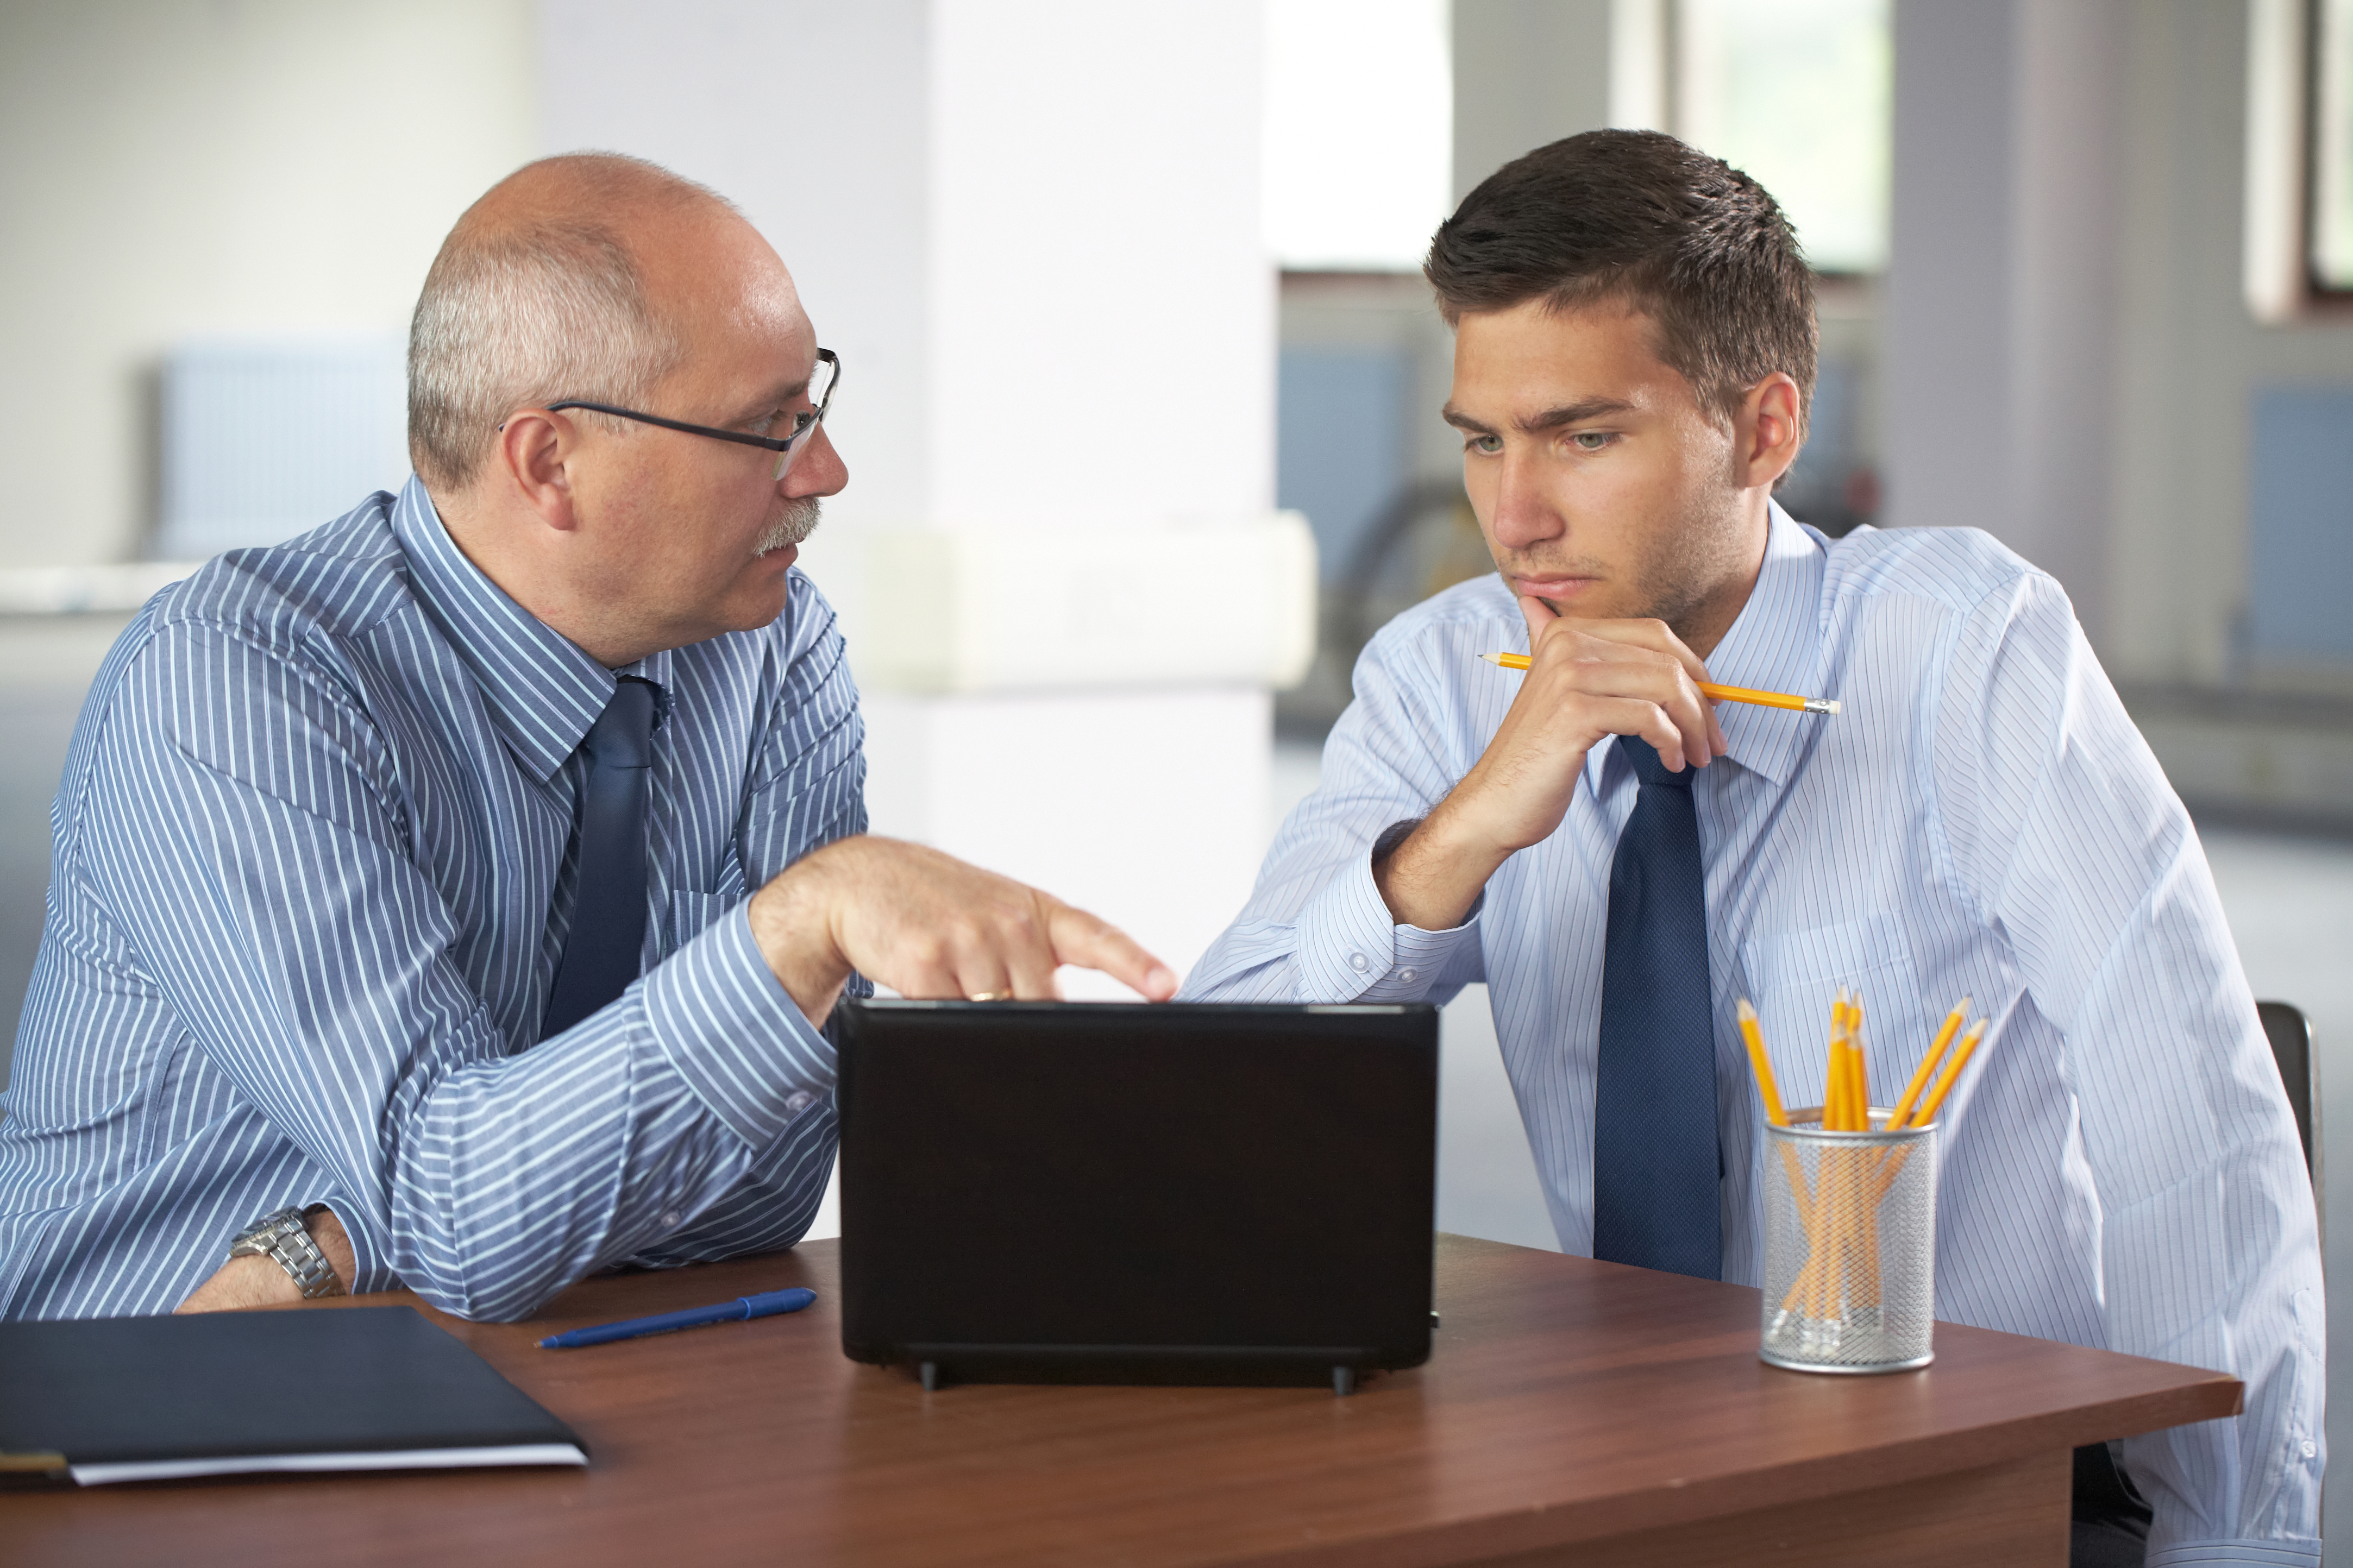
542	689
1775	644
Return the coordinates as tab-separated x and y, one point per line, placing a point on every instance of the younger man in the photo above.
1621	861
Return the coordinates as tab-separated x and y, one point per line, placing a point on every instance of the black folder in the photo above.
352	1388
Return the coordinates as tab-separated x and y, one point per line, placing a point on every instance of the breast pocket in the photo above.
690	914
1792	977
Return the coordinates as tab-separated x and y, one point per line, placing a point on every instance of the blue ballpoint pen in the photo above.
766	1305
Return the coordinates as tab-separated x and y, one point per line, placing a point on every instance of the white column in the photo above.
2001	281
1031	230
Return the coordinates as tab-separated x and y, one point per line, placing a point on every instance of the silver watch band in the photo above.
284	1236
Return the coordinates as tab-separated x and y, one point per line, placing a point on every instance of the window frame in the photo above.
2318	290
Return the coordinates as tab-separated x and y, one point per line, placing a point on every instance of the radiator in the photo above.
263	440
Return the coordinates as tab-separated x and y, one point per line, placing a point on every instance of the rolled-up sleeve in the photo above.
275	904
1316	928
729	1029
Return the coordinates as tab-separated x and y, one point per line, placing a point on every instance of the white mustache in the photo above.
794	523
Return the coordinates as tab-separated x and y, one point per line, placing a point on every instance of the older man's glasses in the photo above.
825	379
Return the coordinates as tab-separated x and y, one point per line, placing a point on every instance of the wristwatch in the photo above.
284	1236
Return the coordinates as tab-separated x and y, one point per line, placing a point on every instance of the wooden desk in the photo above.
1571	1411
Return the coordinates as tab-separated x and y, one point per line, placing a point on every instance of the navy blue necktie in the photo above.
602	949
1655	1161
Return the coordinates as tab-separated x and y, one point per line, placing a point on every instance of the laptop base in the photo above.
1340	1368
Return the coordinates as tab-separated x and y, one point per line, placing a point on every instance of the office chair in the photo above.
2290	1033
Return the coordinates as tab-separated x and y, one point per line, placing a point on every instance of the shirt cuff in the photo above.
2253	1553
370	1272
1351	948
732	1031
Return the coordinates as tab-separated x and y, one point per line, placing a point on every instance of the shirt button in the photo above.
2310	1448
799	1100
1405	975
1359	962
672	1220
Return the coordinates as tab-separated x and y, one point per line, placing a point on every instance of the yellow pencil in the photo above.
1809	1217
1833	1078
1927	1113
1849	1113
1821	705
1834	1086
1859	1090
1761	1065
1858	1100
1927	1070
1945	1079
1831	1198
1848	1013
1839	1215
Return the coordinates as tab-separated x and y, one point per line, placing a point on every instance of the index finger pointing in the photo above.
1081	938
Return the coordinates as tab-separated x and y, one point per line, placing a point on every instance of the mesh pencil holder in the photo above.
1850	1246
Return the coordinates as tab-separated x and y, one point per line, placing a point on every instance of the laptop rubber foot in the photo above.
1344	1381
929	1372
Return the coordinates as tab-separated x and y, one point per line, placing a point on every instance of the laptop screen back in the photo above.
1183	1179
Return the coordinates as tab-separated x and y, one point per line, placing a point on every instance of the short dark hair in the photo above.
1689	241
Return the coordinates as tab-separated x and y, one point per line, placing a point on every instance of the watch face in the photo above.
256	1237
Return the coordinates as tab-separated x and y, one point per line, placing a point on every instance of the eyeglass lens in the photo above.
822	377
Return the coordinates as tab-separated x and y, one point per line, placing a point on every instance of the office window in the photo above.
2299	546
2329	233
1359	133
1796	93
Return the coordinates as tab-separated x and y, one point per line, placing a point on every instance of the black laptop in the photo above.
1186	1193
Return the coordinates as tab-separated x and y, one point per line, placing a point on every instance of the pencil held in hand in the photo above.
1822	705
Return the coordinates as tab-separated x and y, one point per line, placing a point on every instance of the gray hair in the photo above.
520	314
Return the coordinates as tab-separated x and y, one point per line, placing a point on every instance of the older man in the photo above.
454	896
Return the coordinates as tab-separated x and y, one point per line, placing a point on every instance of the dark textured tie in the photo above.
1655	1162
608	901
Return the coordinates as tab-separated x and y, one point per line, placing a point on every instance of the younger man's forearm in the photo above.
1432	879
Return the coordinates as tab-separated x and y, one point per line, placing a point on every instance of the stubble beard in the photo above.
1674	579
1687	573
796	519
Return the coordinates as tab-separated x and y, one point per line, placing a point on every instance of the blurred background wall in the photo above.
1031	230
174	171
1141	381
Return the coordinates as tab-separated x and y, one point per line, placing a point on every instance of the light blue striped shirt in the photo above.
2120	1168
313	873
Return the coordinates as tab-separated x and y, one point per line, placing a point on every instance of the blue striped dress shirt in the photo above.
311	876
2120	1166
